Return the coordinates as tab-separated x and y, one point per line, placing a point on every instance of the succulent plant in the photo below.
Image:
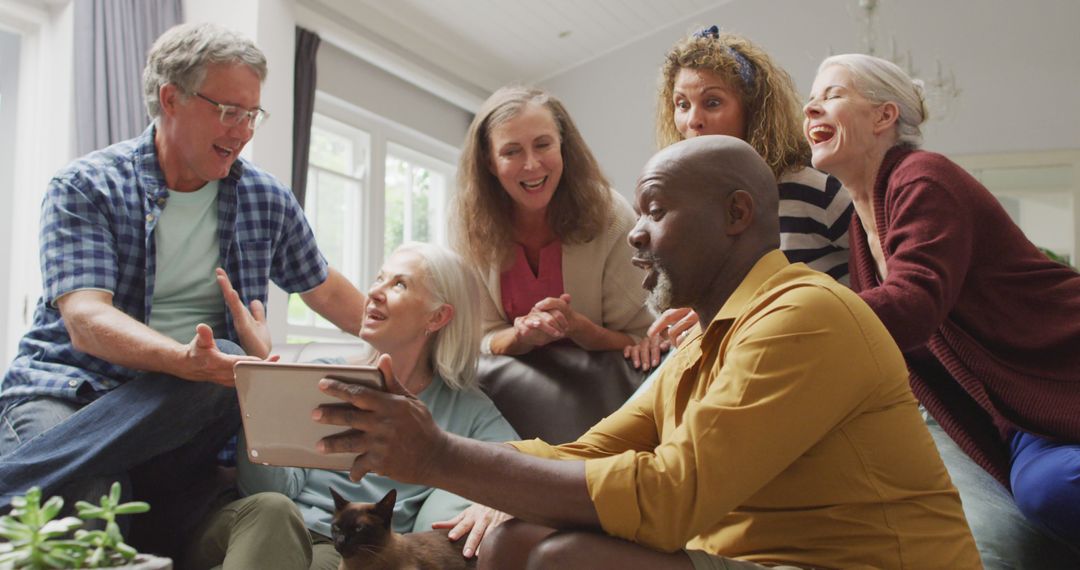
38	540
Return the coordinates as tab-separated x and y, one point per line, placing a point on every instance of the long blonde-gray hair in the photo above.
483	211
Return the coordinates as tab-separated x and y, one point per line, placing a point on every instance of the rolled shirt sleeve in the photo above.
298	265
78	246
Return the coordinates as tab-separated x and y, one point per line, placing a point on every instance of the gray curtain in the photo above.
112	39
307	47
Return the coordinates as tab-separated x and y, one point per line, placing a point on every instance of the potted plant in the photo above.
38	540
1055	256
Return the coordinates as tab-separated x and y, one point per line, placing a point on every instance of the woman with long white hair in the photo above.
422	311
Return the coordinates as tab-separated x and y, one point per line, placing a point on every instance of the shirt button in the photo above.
149	217
73	383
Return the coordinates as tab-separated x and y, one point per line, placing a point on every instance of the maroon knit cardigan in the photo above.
989	325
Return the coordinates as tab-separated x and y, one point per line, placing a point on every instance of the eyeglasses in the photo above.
232	116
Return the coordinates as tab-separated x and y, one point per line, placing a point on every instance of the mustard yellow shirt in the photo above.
786	433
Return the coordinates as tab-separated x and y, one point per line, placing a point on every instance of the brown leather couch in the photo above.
554	393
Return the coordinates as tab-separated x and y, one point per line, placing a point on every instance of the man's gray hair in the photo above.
182	54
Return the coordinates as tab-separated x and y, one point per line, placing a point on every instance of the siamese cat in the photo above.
363	536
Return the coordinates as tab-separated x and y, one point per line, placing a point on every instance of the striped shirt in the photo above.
815	212
97	232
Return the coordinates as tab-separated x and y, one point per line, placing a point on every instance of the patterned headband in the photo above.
745	68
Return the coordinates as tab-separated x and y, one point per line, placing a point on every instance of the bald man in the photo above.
783	434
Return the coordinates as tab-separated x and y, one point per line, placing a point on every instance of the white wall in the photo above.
9	88
1016	63
45	134
345	76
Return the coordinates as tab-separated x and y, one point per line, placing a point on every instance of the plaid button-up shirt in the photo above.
97	232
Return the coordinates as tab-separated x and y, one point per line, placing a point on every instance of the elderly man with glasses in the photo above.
121	376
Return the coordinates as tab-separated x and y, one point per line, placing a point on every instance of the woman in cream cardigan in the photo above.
538	219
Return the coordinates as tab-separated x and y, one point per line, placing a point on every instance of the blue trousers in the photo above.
1045	479
1005	537
159	435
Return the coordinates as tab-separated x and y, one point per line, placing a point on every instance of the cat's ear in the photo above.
339	501
385	507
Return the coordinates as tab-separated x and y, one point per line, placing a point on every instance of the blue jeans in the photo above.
1006	539
157	434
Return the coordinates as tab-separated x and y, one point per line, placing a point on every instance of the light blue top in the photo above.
187	292
467	413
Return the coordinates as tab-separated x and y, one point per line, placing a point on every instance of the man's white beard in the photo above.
660	297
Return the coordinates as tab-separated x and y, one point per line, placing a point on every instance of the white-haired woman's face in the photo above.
399	309
840	123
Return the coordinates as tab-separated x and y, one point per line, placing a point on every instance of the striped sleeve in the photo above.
815	212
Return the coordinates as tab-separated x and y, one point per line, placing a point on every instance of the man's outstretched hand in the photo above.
204	362
250	322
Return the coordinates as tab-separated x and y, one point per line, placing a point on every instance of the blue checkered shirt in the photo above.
97	232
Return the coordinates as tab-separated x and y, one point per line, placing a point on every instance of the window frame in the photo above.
351	267
385	137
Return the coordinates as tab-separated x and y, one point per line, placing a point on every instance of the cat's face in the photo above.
360	527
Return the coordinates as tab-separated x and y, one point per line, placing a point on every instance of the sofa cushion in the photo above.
558	392
554	393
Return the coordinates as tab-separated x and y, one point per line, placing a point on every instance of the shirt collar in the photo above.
150	168
146	161
765	268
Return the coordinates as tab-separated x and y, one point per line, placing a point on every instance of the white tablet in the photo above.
276	401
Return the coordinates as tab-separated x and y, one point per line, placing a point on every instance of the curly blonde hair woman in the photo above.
770	104
536	216
714	83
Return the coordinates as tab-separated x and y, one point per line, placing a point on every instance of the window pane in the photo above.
332	212
331	151
414	201
397	189
421	198
299	313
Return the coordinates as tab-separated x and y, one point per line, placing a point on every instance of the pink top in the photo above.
521	289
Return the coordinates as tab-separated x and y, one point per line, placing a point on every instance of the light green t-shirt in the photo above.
185	290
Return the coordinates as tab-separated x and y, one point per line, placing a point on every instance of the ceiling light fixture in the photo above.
941	87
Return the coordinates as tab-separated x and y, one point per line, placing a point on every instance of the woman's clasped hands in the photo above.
550	320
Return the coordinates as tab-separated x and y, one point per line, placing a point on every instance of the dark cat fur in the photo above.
363	536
